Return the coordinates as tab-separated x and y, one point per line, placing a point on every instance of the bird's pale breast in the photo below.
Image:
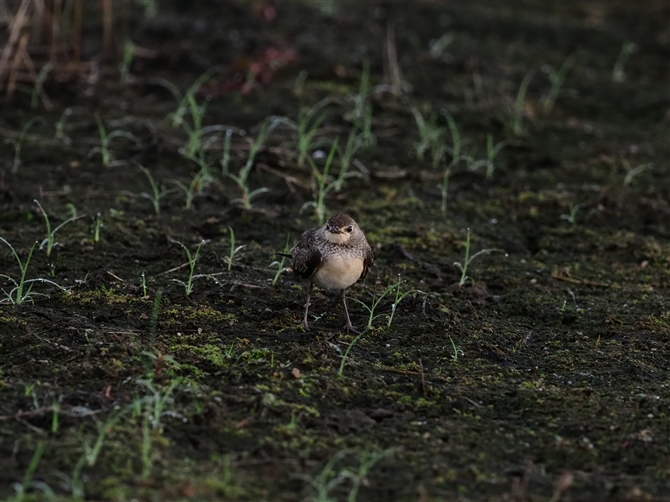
338	271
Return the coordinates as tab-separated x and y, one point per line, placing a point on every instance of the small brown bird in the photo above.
332	256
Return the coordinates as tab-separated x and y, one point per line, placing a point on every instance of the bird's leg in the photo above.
349	327
309	292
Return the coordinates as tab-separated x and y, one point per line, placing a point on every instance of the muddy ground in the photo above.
546	376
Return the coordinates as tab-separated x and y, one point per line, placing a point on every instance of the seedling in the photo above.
178	115
367	462
50	239
455	151
38	87
242	177
97	226
572	217
327	480
307	127
438	46
627	49
492	151
105	140
280	264
324	184
60	126
431	134
632	172
18	143
463	267
556	78
30	472
517	123
193	188
127	62
233	250
343	360
455	350
362	112
157	191
398	298
225	156
353	144
192	259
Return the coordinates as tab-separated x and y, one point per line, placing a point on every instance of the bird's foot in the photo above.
350	329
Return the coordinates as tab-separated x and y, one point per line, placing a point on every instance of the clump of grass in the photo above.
233	249
627	49
324	184
18	143
105	140
556	78
463	267
50	239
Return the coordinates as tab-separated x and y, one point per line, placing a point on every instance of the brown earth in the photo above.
544	377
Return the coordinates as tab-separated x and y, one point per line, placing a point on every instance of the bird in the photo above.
333	256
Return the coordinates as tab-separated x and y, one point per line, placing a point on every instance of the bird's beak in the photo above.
335	230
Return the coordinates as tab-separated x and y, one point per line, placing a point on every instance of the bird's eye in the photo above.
350	229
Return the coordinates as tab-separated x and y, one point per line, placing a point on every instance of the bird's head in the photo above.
340	228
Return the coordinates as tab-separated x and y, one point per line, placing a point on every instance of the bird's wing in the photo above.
306	258
368	258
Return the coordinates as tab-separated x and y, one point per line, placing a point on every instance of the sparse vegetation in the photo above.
125	384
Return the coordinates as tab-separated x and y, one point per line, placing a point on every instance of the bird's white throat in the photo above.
340	238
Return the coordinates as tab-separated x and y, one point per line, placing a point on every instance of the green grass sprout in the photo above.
324	184
517	121
242	177
233	250
18	143
105	140
280	264
556	78
157	191
633	172
463	267
627	49
50	239
38	87
572	217
192	259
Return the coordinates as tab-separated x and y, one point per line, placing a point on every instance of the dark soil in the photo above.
546	376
